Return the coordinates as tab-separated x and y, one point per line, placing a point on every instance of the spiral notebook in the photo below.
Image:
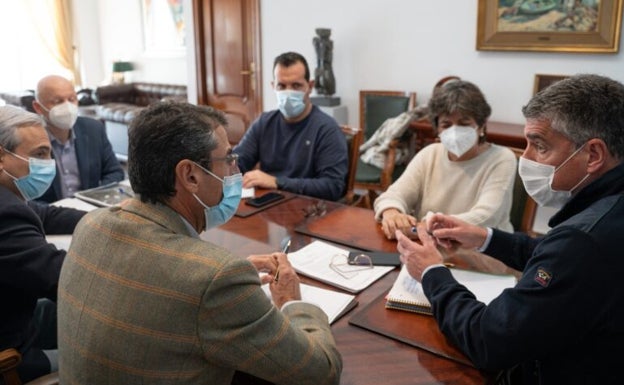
407	293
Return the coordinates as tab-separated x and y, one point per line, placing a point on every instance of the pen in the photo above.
286	247
285	251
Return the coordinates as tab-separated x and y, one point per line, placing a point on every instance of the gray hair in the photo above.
581	108
12	118
459	96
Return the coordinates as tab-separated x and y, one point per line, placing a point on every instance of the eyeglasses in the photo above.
230	159
318	208
348	267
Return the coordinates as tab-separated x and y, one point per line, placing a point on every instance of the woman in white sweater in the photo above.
464	175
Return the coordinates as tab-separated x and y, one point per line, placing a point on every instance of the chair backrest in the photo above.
236	127
523	207
377	106
354	140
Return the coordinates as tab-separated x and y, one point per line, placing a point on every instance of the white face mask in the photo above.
459	139
537	179
62	115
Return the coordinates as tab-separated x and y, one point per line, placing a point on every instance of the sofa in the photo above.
122	102
118	104
22	99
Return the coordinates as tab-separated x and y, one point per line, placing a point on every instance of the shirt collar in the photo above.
190	228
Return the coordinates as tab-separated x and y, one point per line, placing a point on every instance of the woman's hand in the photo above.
393	220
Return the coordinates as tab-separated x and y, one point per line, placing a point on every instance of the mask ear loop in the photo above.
566	161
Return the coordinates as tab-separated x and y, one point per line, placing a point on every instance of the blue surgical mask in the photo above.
232	192
38	180
290	103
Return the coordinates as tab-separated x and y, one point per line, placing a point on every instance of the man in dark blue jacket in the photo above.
29	265
297	147
84	156
563	323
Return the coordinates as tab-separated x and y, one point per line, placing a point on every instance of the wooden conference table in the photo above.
368	358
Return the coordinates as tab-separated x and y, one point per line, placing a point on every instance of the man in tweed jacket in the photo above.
142	300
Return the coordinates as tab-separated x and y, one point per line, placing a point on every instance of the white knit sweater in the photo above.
478	190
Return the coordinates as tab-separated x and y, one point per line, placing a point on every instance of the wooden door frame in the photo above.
201	11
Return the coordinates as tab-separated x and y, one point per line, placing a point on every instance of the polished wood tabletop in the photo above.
368	358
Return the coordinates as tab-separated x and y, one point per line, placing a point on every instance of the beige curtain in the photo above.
54	23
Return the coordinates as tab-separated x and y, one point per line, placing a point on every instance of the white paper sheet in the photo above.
314	261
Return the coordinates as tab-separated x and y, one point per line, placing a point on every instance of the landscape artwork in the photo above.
548	15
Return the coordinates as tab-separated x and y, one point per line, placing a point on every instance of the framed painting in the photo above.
584	26
543	81
163	26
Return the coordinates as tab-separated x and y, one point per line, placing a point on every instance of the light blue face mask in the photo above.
39	178
290	103
232	192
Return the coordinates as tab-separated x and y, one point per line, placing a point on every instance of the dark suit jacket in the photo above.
29	265
96	160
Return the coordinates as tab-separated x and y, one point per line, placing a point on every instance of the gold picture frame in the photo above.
549	25
542	81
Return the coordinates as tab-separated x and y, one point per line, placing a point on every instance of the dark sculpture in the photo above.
324	81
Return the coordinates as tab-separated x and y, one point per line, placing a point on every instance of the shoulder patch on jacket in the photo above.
543	277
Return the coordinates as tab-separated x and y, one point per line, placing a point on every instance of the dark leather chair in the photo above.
236	128
10	360
375	108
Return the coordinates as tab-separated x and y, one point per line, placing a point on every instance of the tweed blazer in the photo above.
141	301
96	160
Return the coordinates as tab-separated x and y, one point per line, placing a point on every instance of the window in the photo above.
26	56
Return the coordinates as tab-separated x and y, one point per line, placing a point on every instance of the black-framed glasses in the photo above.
349	268
230	159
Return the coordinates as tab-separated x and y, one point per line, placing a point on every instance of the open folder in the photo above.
328	264
333	303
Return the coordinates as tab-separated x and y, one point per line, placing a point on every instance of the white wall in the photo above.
409	45
111	30
389	44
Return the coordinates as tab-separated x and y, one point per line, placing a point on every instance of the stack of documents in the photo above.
314	261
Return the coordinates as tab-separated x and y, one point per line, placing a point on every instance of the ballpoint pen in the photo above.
285	247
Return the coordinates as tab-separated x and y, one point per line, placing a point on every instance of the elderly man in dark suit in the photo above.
142	299
29	265
83	153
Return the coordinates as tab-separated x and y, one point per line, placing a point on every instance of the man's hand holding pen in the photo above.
285	286
281	277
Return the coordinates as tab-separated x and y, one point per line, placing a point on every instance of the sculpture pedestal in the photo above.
339	113
325	101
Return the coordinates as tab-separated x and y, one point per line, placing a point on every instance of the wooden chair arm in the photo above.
386	174
9	360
